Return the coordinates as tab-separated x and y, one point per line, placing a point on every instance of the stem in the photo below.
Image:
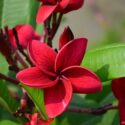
21	60
54	20
12	80
47	31
95	111
55	28
20	48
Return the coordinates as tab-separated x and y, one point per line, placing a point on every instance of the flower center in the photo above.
59	74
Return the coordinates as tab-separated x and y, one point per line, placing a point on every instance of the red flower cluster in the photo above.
50	6
25	35
34	120
59	74
118	88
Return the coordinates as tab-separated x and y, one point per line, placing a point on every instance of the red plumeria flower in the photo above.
50	6
65	37
118	88
34	120
59	74
25	34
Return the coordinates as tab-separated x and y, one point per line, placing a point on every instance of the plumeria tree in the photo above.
67	85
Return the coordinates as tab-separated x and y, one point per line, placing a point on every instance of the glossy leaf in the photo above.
33	8
3	65
6	101
7	122
107	62
37	96
13	12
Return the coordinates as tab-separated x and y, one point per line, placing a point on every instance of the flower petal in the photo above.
71	54
44	12
25	34
34	77
64	3
83	80
42	55
57	98
121	107
74	5
118	88
65	37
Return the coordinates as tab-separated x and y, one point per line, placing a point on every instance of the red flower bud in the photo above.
51	6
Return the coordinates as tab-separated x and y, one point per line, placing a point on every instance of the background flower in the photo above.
52	6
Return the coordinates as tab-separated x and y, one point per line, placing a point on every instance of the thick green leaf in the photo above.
6	101
13	12
3	65
107	62
37	96
34	5
4	105
109	118
7	122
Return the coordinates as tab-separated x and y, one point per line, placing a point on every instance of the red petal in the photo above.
63	4
118	88
34	119
121	107
57	98
74	5
71	54
65	37
36	36
83	80
44	12
25	34
34	77
42	55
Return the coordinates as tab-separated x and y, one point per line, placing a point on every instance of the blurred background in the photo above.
101	21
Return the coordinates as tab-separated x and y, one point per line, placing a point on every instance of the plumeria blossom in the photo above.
118	88
25	35
50	6
65	37
34	120
59	74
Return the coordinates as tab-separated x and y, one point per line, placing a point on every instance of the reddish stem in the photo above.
20	48
55	28
12	80
96	111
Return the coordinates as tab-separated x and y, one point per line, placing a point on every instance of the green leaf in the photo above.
37	96
108	118
7	122
13	12
107	62
6	101
5	105
3	65
34	5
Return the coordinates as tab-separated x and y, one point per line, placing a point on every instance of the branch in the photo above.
55	28
20	48
12	80
95	111
47	30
